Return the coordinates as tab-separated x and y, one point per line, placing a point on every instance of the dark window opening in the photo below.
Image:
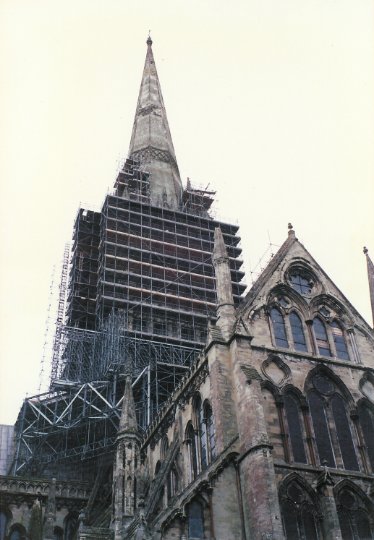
279	328
195	521
344	433
300	283
339	340
321	337
321	430
297	332
294	428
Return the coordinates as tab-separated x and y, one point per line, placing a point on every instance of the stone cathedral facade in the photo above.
268	435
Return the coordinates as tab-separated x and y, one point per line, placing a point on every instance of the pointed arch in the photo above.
366	417
339	340
279	327
329	403
297	330
200	432
301	513
355	511
5	519
190	438
210	431
321	337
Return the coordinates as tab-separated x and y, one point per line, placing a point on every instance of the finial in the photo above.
291	232
365	250
149	39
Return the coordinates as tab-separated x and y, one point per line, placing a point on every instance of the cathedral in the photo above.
181	407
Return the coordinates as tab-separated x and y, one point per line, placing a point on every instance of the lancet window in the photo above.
297	332
366	416
3	524
322	340
195	521
279	328
295	427
331	423
192	450
211	438
71	527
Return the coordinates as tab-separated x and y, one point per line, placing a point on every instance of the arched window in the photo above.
3	524
279	328
195	521
210	432
164	447
301	282
192	450
321	337
354	516
297	332
172	483
202	436
71	527
339	341
331	424
366	416
17	532
299	514
58	533
295	428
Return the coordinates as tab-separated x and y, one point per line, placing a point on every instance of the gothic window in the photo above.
295	428
353	516
164	447
195	521
211	439
321	337
299	514
172	483
3	524
301	283
366	416
331	424
58	533
192	450
339	341
71	527
297	332
279	328
17	533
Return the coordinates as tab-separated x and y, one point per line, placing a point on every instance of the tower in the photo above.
140	290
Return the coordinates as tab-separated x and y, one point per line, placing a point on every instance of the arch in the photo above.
279	327
164	447
297	330
300	509
366	417
17	532
71	526
284	290
329	408
200	432
355	511
5	518
195	517
190	438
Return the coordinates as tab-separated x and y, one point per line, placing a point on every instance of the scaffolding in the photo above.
136	293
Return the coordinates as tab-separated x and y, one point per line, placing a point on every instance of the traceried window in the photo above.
321	337
295	427
279	328
301	283
354	517
366	416
340	344
299	514
332	426
297	332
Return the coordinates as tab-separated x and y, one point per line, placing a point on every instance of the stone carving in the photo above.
276	371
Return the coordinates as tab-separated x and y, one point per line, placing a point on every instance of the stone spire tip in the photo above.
365	250
291	231
149	39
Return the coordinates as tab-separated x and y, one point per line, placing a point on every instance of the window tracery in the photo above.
331	423
299	513
354	518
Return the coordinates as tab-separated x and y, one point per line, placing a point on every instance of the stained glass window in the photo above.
297	332
279	328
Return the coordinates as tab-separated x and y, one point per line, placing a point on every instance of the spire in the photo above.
370	267
151	142
128	420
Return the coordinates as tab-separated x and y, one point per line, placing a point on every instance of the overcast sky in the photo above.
269	102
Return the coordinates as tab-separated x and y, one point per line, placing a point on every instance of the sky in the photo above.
270	103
